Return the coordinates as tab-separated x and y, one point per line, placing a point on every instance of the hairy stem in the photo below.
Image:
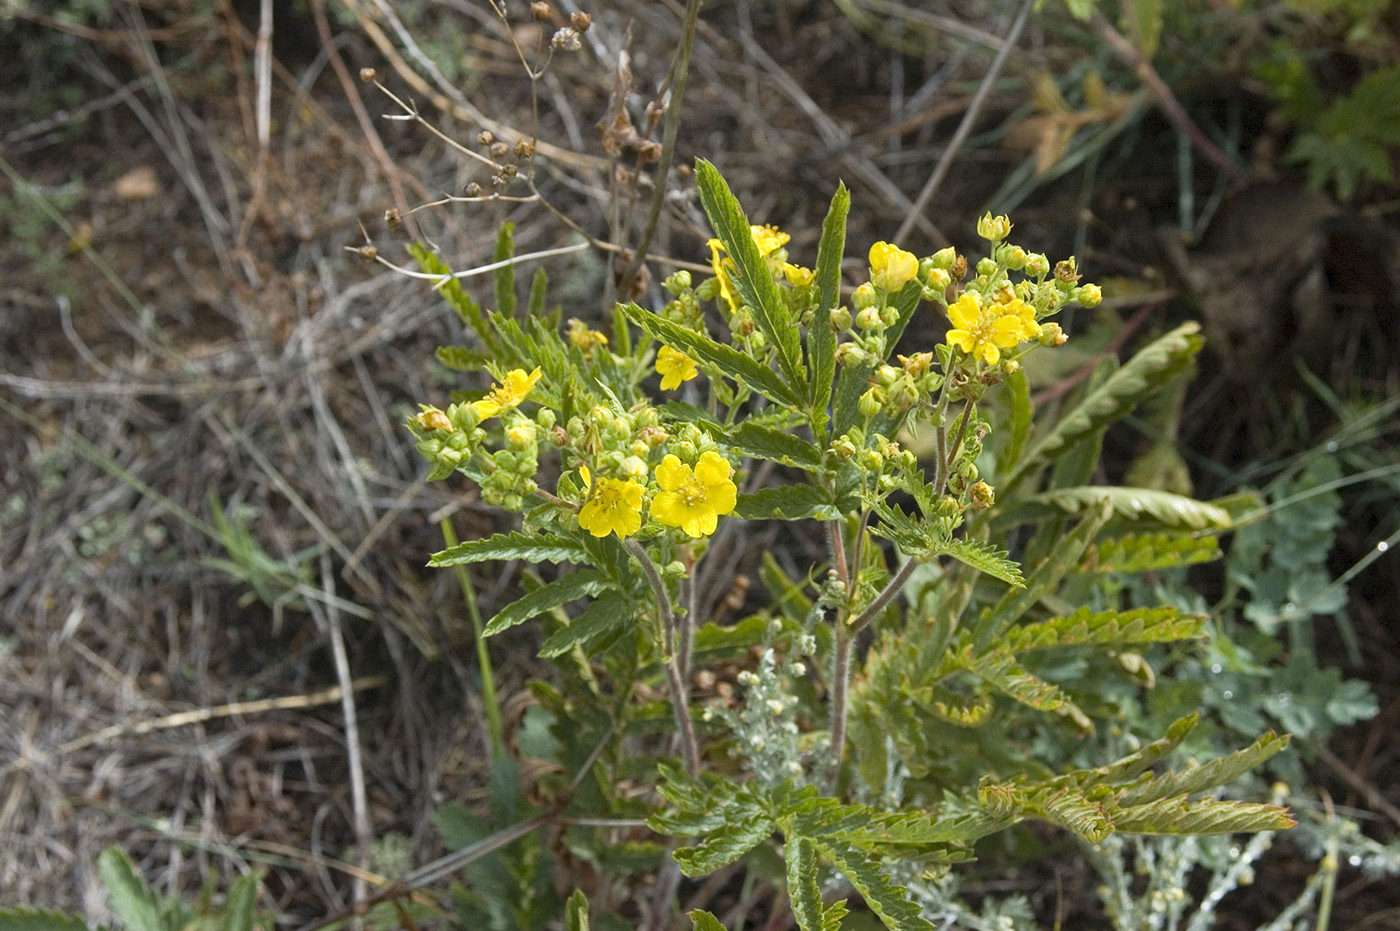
666	621
886	595
840	687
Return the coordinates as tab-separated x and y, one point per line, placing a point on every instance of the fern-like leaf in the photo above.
1142	375
1150	552
1208	816
1106	628
561	591
1207	776
984	557
531	547
723	846
1149	505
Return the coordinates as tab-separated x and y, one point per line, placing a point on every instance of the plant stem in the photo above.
886	595
666	620
840	687
668	146
483	656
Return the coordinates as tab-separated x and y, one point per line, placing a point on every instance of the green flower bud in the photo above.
986	267
886	375
633	467
993	228
1037	265
840	319
869	319
850	354
937	283
872	401
889	316
944	258
639	449
678	282
1089	295
843	449
520	435
545	418
865	296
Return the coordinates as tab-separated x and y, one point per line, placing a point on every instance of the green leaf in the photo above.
531	547
608	613
1164	508
1073	812
887	900
539	291
1106	628
239	910
752	279
728	360
723	846
468	310
984	557
132	900
1144	22
805	896
789	502
1018	393
821	339
702	920
762	442
24	918
1180	817
1144	374
1209	776
576	912
504	277
462	359
561	591
1149	552
832	915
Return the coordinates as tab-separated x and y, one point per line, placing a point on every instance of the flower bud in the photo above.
840	318
1052	335
864	296
959	268
944	258
797	276
580	21
869	319
843	449
677	282
981	496
917	365
520	435
872	401
1089	295
986	267
891	268
1067	271
1037	264
850	354
545	418
994	228
938	281
433	419
889	315
633	467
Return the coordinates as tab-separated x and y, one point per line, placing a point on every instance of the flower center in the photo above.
692	492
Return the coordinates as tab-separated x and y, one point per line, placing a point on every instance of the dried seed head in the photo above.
506	173
525	148
471	189
567	39
541	12
499	149
392	218
366	74
581	21
367	252
485	137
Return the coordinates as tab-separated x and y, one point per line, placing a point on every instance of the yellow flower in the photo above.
769	239
891	268
694	501
674	367
983	332
614	507
512	390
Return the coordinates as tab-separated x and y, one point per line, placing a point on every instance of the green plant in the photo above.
806	417
138	907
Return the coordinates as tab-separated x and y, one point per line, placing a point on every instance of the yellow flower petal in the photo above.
674	367
693	501
615	507
512	390
1006	331
966	312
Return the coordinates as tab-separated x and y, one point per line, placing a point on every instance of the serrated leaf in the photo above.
1177	816
984	557
1105	628
891	903
1208	776
724	845
1018	394
1000	670
539	291
731	362
504	277
561	591
702	920
1132	504
1072	811
833	914
462	359
127	892
1133	765
805	896
762	442
467	310
40	919
821	339
1149	552
531	547
608	613
1142	375
788	502
753	279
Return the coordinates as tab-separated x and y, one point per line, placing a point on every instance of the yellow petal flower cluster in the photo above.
694	500
674	367
769	240
615	506
512	390
982	331
891	268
